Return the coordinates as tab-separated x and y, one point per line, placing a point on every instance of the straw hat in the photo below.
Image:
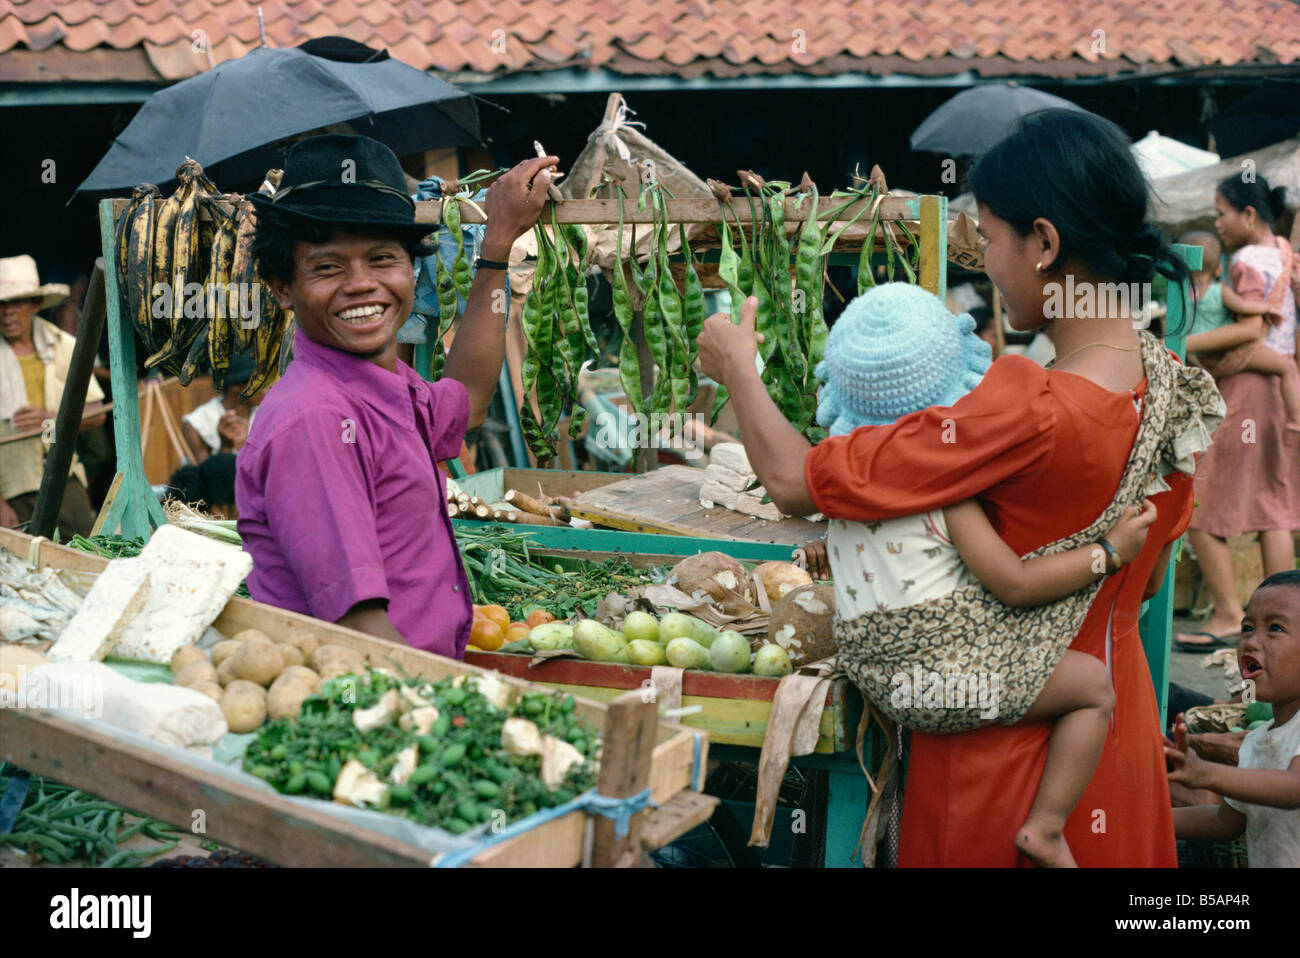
19	280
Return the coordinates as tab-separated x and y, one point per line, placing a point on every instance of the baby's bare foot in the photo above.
1046	849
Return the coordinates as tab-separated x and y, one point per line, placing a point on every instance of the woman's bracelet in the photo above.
1111	555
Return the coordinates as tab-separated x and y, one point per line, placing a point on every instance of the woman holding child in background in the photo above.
1042	450
1249	481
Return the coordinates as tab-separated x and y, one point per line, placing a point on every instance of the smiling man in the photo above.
341	503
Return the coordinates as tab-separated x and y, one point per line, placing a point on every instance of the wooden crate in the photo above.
735	708
269	826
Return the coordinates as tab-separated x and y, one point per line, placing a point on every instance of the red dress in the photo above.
1044	452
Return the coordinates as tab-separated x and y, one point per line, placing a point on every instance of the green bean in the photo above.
629	364
866	273
22	839
131	830
694	310
69	811
462	275
670	304
447	305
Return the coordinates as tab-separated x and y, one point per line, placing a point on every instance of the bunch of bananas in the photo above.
190	286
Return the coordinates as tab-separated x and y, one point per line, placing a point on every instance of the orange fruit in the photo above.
497	614
517	631
486	634
539	617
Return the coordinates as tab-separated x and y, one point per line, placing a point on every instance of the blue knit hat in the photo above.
896	349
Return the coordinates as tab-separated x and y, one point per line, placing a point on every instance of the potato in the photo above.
247	686
305	641
333	670
299	672
196	673
226	672
244	709
286	698
336	653
289	654
248	634
224	650
211	689
258	661
186	655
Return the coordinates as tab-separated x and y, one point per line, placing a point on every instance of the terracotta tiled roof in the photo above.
689	37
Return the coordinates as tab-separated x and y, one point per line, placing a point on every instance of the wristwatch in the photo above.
1113	561
482	263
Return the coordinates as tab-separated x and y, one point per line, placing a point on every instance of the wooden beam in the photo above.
151	783
688	209
671	821
624	771
72	405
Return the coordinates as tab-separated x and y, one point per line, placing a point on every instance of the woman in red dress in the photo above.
1043	450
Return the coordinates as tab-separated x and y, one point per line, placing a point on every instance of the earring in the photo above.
1040	269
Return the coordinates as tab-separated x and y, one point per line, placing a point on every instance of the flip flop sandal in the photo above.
1216	642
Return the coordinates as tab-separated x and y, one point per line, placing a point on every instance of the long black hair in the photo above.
1270	205
1077	170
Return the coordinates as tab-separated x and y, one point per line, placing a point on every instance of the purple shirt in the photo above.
340	498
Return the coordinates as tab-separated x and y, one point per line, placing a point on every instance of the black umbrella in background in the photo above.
235	117
1266	116
977	118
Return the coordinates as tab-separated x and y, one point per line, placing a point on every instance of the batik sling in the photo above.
965	660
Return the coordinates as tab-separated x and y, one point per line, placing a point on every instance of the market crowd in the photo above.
1114	449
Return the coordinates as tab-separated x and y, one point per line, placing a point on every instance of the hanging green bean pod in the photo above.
629	365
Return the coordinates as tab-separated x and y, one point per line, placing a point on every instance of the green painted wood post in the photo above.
135	509
1156	624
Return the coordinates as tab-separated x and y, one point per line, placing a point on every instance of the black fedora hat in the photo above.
344	181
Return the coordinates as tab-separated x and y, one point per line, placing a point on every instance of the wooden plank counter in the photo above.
667	501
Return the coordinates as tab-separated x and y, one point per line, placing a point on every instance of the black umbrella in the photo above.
234	117
975	119
1266	116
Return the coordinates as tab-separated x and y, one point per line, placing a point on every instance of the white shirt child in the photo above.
1272	834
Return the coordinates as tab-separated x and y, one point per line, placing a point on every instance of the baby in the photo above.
1216	304
1261	795
895	350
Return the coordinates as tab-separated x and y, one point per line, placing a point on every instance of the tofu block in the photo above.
728	477
169	714
713	494
192	578
115	599
752	505
730	455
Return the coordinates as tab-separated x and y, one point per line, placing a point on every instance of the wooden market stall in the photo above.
642	752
